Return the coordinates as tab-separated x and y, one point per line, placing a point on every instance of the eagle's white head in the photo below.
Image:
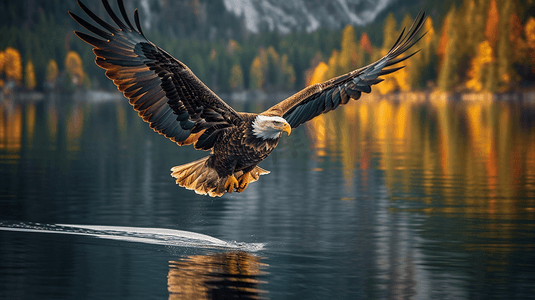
269	127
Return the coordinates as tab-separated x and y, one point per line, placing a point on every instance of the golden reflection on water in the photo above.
11	127
480	152
231	275
478	156
465	159
74	127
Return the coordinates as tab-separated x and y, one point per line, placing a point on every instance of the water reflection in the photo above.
470	151
403	197
231	275
478	156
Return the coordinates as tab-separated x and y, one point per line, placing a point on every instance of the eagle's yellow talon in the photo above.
231	184
244	182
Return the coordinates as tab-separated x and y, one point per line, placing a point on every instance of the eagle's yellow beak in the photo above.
287	128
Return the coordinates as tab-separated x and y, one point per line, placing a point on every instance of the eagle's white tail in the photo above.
204	180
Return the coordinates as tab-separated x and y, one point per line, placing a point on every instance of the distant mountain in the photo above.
213	19
308	15
238	18
234	18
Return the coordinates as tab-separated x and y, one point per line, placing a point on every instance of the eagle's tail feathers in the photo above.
204	180
197	176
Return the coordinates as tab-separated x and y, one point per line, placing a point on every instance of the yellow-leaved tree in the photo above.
318	74
73	64
347	60
475	74
52	71
332	64
29	76
13	65
288	72
2	60
447	51
236	77
256	74
529	30
404	82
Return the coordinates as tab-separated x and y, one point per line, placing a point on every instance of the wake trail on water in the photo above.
154	236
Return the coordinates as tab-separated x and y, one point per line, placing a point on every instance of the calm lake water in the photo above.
402	198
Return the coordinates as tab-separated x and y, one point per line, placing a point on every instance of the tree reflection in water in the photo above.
230	275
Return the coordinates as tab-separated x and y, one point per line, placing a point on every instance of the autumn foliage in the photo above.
493	21
365	43
480	46
476	46
236	77
479	63
13	65
29	76
52	71
73	64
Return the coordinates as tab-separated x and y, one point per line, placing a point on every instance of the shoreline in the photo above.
258	96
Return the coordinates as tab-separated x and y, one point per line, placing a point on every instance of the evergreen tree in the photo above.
236	77
504	46
492	78
2	62
430	41
288	73
389	31
332	71
427	60
408	76
273	73
256	74
448	76
491	35
470	20
347	59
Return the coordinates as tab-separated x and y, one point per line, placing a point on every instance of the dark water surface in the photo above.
383	199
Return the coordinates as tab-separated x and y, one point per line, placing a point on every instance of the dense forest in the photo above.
478	45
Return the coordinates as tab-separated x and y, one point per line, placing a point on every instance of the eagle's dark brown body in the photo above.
176	104
237	149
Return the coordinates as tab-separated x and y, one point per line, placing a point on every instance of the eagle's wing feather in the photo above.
323	97
162	89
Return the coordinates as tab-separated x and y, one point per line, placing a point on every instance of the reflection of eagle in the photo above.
229	275
179	106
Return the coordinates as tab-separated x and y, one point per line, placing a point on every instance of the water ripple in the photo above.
155	236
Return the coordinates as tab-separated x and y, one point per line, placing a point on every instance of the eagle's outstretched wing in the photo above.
162	89
323	97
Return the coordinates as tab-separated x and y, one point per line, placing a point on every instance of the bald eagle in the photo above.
176	104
